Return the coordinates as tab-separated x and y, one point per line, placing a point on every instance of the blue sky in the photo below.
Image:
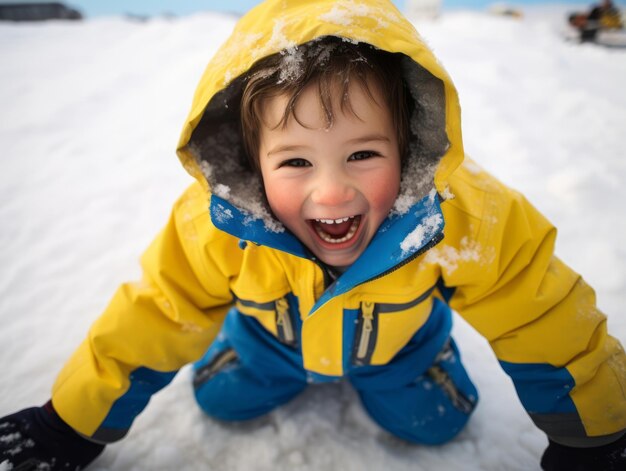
93	8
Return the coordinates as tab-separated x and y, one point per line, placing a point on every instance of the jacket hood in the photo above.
211	148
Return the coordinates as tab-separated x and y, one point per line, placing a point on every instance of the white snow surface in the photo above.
90	117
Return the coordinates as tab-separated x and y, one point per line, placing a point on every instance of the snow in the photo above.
91	113
278	40
448	257
422	232
291	67
222	214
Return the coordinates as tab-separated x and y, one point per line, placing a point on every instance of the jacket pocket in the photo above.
276	316
383	329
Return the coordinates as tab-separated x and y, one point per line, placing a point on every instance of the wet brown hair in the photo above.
333	64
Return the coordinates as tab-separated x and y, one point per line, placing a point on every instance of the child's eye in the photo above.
363	155
295	163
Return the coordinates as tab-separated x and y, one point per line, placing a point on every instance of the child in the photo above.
343	225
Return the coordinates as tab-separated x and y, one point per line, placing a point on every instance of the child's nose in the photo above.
333	190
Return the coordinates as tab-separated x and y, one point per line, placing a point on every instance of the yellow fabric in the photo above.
527	303
497	254
611	20
162	322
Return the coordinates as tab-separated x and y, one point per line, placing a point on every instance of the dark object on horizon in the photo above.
37	12
601	17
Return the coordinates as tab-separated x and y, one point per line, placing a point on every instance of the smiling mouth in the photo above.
336	231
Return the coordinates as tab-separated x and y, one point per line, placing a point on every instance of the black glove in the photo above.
611	457
37	438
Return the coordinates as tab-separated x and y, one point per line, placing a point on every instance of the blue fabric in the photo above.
350	318
265	375
404	400
421	411
144	382
542	388
400	396
294	307
228	218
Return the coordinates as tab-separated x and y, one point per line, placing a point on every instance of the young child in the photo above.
334	224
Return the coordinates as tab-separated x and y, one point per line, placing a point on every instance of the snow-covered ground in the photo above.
89	118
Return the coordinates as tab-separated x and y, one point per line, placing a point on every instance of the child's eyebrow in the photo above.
286	148
369	138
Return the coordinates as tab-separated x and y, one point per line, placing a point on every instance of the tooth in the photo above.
353	228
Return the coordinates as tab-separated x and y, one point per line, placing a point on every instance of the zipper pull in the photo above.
367	326
283	321
443	380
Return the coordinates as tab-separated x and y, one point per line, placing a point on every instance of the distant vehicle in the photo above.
37	12
603	24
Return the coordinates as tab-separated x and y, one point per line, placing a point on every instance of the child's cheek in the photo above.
383	192
285	199
383	199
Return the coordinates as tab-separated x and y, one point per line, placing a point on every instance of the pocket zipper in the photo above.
443	380
367	326
283	321
217	364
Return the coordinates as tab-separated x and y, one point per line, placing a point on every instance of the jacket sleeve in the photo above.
539	316
150	328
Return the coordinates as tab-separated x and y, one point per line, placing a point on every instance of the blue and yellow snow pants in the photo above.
423	395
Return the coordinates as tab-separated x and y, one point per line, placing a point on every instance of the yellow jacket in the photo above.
464	237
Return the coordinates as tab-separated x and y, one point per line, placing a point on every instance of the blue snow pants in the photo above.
423	395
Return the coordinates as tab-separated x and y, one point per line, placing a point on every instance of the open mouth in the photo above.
336	231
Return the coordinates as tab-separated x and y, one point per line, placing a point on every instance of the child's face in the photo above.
332	187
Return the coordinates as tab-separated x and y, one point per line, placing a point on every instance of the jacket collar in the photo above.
399	239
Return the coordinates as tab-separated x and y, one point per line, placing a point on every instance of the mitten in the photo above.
37	438
611	457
